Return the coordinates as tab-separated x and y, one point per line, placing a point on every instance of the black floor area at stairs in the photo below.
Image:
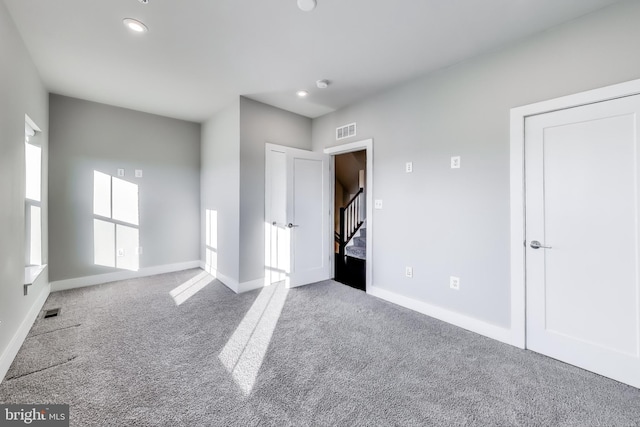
351	272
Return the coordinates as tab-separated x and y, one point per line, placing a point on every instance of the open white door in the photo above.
297	215
582	256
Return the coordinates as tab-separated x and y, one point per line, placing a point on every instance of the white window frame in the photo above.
33	256
106	213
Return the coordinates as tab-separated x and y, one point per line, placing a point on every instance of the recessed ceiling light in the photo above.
135	25
302	93
307	5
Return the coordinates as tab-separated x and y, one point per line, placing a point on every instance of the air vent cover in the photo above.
346	131
51	313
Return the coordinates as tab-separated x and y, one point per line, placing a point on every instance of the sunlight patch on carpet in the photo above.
190	287
244	353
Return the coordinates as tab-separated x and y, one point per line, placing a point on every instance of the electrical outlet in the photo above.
409	167
120	252
455	162
408	271
378	204
454	283
138	173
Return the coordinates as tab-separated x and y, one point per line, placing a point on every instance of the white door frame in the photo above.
517	188
367	145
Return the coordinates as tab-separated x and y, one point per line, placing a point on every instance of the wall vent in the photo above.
346	131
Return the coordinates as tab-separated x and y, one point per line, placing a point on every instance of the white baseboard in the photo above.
81	282
251	285
21	334
233	284
466	322
226	280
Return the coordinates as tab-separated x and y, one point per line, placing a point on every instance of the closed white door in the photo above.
297	212
582	258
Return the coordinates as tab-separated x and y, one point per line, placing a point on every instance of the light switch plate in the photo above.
409	167
120	172
455	162
408	271
378	204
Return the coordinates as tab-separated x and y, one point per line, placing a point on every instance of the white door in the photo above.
583	296
297	214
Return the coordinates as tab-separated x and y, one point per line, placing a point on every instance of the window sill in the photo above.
31	274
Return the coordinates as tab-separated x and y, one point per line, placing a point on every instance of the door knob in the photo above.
292	225
537	245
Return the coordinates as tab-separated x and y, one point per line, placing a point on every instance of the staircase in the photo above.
357	246
352	243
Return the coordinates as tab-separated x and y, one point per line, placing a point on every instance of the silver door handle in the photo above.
537	245
292	225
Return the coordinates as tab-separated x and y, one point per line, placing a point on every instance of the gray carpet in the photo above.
124	354
358	248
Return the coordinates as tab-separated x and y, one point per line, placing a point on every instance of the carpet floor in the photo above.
181	350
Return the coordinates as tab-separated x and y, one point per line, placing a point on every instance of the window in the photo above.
33	199
211	241
115	223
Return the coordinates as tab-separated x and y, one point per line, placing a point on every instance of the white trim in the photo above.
252	285
233	284
366	144
349	147
31	123
517	236
81	282
517	195
21	334
466	322
227	281
32	273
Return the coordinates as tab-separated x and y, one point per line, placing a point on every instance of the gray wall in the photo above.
86	136
456	222
21	92
259	124
220	185
348	167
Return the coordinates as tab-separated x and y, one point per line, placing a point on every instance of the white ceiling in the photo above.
199	55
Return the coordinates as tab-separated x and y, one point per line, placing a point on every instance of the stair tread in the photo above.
360	241
357	252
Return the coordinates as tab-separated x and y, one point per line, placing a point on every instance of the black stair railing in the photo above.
351	218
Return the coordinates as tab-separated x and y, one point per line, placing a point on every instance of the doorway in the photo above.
350	218
365	198
580	207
